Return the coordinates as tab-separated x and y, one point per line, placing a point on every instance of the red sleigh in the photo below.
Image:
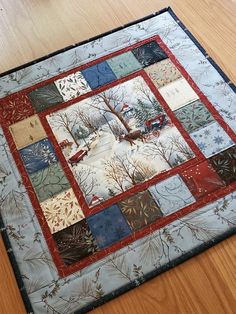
77	157
156	123
65	143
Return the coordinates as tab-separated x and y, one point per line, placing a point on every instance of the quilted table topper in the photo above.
117	162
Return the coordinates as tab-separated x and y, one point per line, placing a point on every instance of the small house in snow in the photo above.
95	200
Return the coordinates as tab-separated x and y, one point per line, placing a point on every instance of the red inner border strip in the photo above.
63	269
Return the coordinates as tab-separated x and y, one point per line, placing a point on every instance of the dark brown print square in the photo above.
224	164
75	242
140	210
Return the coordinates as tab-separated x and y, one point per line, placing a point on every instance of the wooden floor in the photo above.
30	29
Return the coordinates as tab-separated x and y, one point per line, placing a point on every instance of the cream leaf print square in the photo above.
72	86
62	211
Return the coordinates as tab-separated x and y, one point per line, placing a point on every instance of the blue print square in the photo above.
108	226
98	75
38	156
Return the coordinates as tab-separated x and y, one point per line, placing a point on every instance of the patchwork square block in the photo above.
140	210
45	97
124	64
75	242
202	179
108	226
149	53
27	131
194	116
224	164
67	87
62	211
171	194
72	86
98	75
163	73
212	139
14	109
178	94
38	156
49	182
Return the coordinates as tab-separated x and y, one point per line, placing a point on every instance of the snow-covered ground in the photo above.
105	147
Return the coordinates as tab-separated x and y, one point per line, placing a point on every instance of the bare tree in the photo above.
117	128
110	101
88	120
181	146
158	148
125	169
66	121
114	174
86	180
143	170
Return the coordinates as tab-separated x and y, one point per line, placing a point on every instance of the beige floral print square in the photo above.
163	73
62	211
27	132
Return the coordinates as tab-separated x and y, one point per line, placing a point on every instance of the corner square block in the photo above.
224	164
149	53
15	108
75	242
202	179
108	226
27	131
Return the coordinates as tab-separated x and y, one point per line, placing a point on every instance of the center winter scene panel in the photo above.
117	139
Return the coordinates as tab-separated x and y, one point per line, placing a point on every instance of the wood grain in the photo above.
30	29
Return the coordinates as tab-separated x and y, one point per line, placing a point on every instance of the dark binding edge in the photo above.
213	63
15	267
201	248
163	268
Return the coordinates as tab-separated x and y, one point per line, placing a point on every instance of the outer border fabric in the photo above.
162	268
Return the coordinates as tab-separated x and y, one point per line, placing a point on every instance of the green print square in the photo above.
49	182
194	116
45	97
124	64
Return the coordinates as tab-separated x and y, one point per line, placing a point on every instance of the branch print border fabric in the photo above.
117	160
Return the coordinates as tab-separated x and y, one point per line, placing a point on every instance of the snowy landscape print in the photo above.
117	139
